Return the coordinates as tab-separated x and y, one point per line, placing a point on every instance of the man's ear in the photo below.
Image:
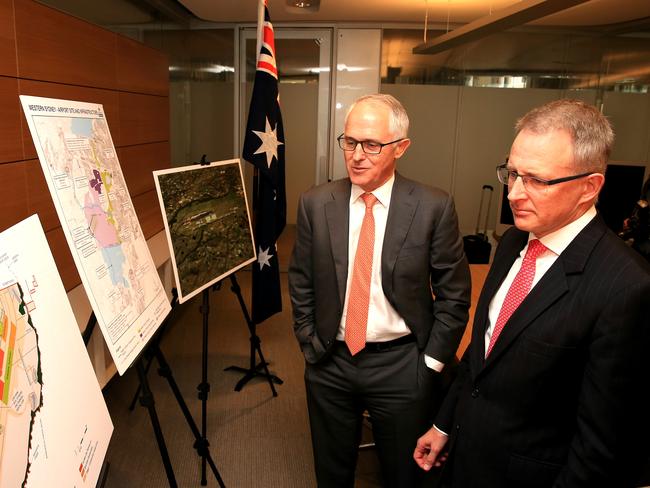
592	186
401	147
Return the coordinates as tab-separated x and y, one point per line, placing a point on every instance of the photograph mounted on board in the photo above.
207	223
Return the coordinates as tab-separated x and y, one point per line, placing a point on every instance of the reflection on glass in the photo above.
523	59
197	55
201	77
298	60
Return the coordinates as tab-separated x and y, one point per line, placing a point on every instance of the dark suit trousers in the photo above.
397	389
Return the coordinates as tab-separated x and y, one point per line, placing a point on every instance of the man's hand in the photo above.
428	449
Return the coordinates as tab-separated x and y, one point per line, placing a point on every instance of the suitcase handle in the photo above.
480	209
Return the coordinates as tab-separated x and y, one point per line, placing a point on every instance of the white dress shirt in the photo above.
556	242
384	323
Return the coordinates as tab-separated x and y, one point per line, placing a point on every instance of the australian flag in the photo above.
264	148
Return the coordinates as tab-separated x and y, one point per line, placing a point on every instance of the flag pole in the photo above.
260	28
261	7
263	145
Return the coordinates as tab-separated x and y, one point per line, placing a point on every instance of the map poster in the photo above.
83	174
54	424
207	223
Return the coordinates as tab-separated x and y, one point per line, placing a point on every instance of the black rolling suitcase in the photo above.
477	246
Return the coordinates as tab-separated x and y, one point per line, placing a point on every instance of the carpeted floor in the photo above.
256	440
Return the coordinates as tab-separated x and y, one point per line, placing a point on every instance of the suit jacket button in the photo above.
475	393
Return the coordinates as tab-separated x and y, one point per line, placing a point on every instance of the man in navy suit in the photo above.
552	391
407	336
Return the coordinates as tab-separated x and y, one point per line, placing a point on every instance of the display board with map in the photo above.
207	222
85	180
54	424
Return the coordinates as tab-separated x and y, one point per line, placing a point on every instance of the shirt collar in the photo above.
382	193
560	239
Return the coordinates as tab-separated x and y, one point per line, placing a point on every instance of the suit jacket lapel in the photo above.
548	290
337	212
496	275
551	287
400	216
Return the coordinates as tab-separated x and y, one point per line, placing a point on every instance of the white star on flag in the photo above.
264	257
269	144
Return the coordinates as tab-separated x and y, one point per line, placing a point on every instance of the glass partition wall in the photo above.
201	84
463	102
524	58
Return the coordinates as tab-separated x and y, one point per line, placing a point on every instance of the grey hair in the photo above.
398	119
591	132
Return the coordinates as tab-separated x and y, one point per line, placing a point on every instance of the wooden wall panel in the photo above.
141	69
63	257
11	146
13	195
46	53
39	198
107	98
143	119
139	161
148	209
7	39
53	46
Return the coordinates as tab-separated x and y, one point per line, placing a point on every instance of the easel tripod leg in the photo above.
147	400
201	444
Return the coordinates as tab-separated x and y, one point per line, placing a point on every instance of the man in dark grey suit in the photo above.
552	391
379	350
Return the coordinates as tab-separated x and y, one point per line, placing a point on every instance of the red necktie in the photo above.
518	289
359	298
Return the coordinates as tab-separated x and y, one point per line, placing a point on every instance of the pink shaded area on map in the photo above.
104	232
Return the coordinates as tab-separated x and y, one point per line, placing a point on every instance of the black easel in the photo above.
201	443
204	386
88	331
254	368
147	400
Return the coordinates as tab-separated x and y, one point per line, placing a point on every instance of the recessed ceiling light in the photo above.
298	6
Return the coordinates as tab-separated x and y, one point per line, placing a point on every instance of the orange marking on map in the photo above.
12	337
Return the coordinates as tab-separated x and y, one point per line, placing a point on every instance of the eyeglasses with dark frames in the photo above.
508	177
368	147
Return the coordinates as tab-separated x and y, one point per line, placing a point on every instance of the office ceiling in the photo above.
440	12
507	52
594	12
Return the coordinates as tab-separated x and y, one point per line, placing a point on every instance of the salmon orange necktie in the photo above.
359	299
